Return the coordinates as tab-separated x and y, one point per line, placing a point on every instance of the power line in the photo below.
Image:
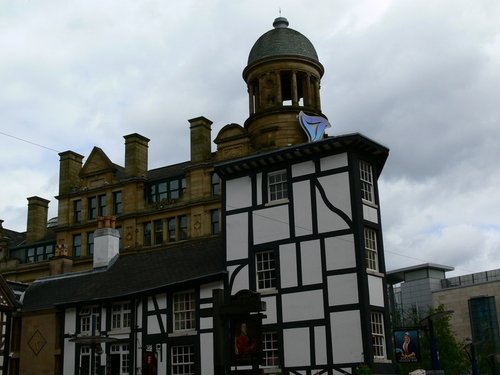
30	142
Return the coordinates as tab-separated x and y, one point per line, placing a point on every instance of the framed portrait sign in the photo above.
407	345
245	340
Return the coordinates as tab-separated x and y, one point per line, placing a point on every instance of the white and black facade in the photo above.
303	229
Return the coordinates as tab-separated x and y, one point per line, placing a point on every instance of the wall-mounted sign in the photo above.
245	339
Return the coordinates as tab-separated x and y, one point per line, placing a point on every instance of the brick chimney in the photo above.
70	164
201	129
60	263
36	228
136	155
106	241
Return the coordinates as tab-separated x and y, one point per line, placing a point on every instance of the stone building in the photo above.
273	240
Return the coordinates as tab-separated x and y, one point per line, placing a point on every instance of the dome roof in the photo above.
282	41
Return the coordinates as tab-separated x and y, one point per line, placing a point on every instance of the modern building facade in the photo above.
264	256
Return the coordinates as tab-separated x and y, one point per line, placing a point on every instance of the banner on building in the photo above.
407	345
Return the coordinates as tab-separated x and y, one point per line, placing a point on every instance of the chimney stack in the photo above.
38	209
106	241
70	164
136	155
201	129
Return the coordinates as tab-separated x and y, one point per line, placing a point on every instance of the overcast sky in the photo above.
420	77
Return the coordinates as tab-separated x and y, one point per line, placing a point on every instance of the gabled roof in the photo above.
97	162
129	275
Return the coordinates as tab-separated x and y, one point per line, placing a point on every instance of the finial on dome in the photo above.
280	23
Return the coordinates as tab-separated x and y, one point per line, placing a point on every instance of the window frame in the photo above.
367	182
172	229
215	184
117	202
92	208
77	245
101	205
182	367
266	277
277	190
215	222
147	234
270	350
378	335
183	227
121	316
90	243
371	249
86	314
184	311
77	211
158	232
169	189
123	350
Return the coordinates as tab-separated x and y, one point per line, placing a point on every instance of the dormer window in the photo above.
166	190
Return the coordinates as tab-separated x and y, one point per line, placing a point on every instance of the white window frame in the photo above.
265	270
86	313
366	177
86	351
378	336
277	186
371	249
123	351
183	360
121	316
270	350
184	311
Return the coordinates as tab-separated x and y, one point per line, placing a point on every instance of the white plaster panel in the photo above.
376	290
271	312
153	324
333	161
70	321
320	345
69	357
271	224
238	193
296	347
206	323
241	279
337	191
302	169
237	236
340	252
139	315
302	305
347	342
342	289
327	219
370	213
288	265
310	253
206	289
162	360
302	208
207	353
258	180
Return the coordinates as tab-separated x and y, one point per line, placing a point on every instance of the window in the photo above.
277	186
158	231
366	176
147	234
90	243
120	359
120	231
171	223
86	361
215	183
266	270
77	211
166	190
101	200
90	320
33	254
183	360
214	222
184	311
92	208
117	203
183	227
77	245
270	354
371	249
378	340
120	315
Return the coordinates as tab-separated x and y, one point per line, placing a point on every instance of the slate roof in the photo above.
168	171
282	41
131	274
14	238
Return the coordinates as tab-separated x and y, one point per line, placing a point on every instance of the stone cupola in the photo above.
283	78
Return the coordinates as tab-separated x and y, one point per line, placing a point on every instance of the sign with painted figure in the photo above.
407	345
245	333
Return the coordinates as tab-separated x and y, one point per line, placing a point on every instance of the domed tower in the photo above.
283	78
